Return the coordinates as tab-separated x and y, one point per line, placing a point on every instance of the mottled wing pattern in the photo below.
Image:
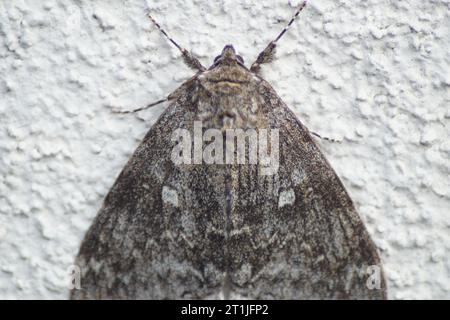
154	237
296	234
169	231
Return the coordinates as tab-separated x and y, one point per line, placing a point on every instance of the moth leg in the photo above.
268	54
324	138
141	108
188	58
174	95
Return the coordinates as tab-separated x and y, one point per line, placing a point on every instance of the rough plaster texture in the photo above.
372	74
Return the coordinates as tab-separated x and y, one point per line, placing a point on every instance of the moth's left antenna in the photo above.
267	55
191	61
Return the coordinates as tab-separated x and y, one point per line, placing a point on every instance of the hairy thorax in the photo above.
227	98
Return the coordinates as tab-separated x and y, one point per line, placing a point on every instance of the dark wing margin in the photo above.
296	234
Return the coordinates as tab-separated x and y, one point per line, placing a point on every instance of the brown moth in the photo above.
202	229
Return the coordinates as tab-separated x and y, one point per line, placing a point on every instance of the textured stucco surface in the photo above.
373	75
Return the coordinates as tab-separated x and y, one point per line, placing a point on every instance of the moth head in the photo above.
227	75
228	57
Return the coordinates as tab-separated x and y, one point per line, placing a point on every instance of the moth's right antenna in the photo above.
268	53
191	61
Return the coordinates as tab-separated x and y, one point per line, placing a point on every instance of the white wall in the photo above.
372	74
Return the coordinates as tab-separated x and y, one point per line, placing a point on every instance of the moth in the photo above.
199	228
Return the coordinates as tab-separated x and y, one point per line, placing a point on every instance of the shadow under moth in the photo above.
194	215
